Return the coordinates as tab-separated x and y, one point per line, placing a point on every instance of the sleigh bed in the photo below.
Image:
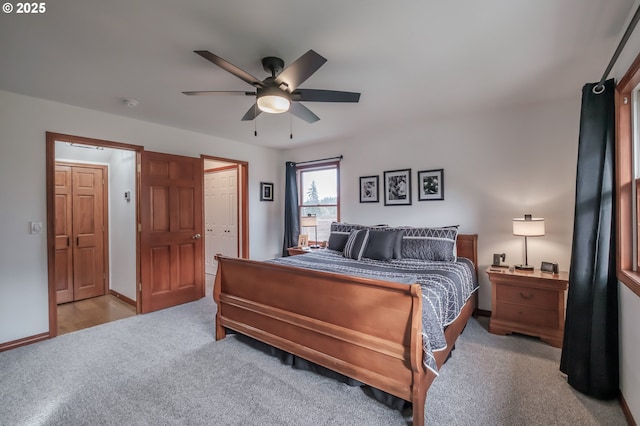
365	327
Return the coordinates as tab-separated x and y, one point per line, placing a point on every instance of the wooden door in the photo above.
171	229
63	257
89	275
80	270
221	215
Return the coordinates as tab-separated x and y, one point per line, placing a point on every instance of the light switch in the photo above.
36	227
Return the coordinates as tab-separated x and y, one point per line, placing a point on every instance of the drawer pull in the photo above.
525	297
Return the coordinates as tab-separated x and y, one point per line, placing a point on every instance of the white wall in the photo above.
23	258
122	223
629	302
497	165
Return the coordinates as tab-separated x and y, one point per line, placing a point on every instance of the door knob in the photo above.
196	237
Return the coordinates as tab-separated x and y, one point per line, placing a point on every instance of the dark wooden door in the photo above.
89	275
80	269
171	241
64	233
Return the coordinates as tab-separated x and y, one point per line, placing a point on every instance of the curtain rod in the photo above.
600	86
321	159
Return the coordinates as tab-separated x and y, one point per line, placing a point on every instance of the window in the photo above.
319	194
627	171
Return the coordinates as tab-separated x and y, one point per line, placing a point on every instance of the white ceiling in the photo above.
413	61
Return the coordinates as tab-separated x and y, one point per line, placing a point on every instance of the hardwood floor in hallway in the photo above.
91	312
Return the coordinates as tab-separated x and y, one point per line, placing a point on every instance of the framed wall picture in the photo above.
431	185
266	191
369	189
303	240
397	187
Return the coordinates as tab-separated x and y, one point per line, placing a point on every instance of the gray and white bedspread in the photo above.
446	286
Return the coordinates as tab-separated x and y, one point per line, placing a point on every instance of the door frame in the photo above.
243	200
50	161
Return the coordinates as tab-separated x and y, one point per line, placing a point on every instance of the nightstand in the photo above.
530	303
299	250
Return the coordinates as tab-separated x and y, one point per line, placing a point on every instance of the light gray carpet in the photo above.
165	368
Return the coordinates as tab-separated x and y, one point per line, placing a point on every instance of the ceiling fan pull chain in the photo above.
255	121
290	126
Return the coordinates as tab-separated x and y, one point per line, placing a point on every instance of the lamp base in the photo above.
524	267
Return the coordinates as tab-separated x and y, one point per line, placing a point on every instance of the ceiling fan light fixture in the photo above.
273	100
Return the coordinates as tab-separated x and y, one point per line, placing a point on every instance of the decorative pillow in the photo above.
356	244
381	244
340	233
337	241
397	247
437	244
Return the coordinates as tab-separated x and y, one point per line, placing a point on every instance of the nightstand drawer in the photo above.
533	297
527	315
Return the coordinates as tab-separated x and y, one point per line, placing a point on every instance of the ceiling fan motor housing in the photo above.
272	65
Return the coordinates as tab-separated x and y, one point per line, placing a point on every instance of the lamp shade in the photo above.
308	221
273	100
528	226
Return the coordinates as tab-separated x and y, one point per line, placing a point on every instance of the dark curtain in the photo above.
590	348
291	216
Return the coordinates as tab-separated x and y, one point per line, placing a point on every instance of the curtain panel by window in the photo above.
291	216
590	348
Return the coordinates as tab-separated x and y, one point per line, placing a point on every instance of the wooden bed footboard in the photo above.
366	329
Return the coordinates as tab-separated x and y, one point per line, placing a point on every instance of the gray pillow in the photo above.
438	244
381	245
340	233
337	241
397	247
356	244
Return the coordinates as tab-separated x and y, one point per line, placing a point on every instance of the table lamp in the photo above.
310	221
527	227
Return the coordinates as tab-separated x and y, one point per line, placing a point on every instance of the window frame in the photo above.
626	263
315	167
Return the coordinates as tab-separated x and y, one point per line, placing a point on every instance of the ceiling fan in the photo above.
279	92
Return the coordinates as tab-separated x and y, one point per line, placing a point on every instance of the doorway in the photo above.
75	302
225	212
144	220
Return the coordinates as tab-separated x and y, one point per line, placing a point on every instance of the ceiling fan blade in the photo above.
303	112
252	113
219	92
229	67
315	95
300	70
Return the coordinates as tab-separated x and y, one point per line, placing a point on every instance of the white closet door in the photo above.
221	216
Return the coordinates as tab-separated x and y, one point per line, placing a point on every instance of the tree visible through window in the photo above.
319	189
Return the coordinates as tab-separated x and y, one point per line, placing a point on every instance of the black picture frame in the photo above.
397	187
266	191
370	189
431	185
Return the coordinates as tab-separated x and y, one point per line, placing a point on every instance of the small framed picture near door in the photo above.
397	187
369	189
431	185
266	191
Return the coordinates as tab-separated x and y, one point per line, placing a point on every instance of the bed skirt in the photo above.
294	361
